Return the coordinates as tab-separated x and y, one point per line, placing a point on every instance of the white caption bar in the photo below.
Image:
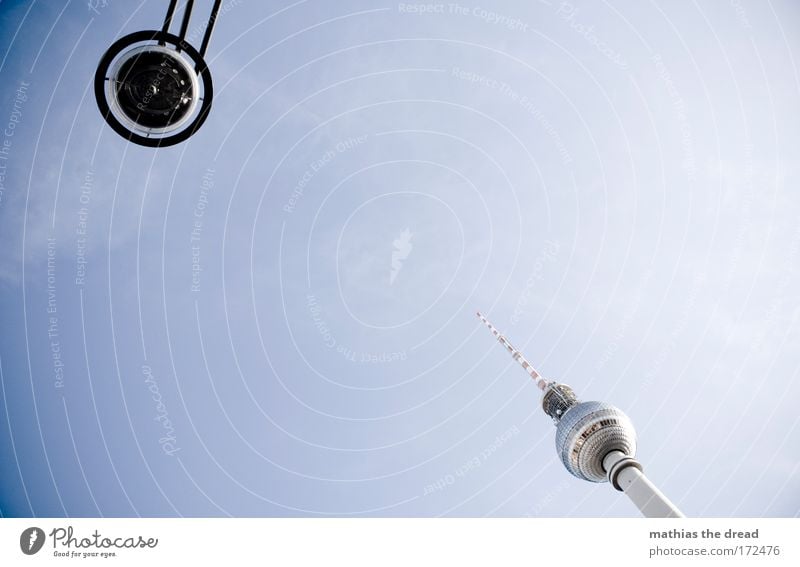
397	542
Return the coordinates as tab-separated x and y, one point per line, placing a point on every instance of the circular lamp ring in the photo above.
150	94
152	88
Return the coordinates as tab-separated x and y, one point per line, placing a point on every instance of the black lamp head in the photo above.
153	88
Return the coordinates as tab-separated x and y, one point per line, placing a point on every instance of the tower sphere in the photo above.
587	432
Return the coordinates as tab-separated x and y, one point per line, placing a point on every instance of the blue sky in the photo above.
611	183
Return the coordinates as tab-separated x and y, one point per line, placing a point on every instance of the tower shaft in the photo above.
625	473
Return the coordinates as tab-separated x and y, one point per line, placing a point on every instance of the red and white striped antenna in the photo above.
515	354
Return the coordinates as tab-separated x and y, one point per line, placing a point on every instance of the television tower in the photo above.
595	440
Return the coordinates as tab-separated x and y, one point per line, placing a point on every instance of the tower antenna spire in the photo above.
595	440
515	354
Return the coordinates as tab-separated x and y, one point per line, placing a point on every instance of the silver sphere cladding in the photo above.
587	432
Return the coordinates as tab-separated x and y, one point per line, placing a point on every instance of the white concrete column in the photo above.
625	473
